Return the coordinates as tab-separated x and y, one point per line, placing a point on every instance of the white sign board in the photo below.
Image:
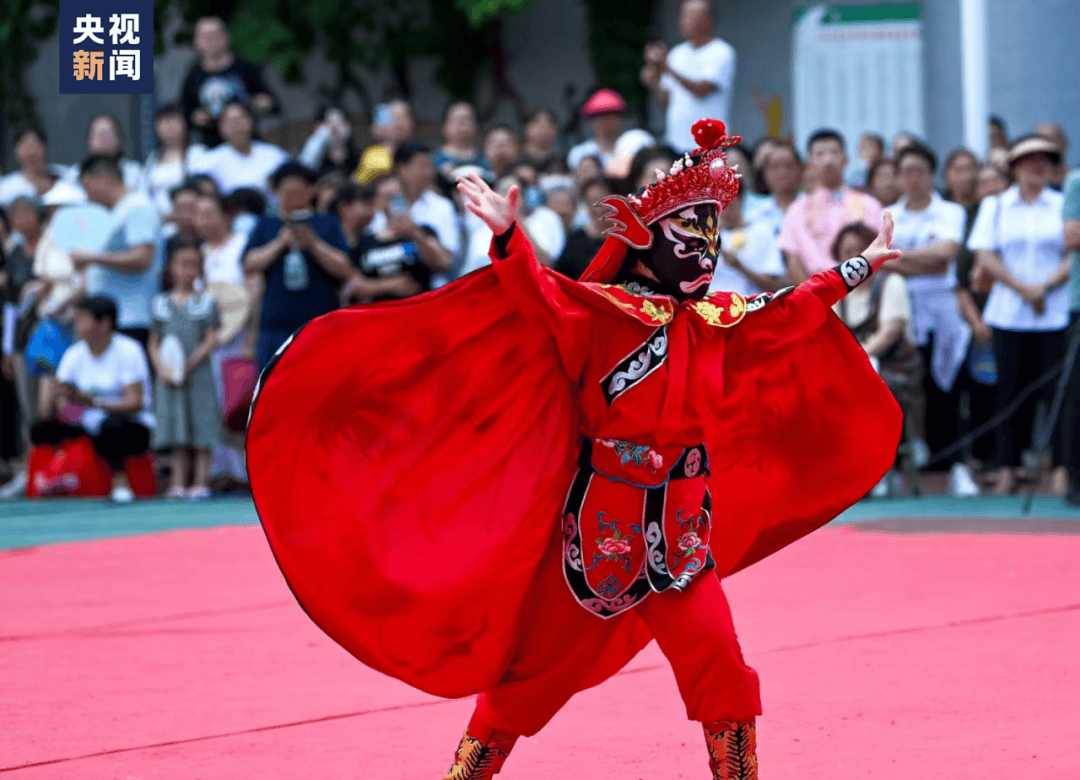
858	69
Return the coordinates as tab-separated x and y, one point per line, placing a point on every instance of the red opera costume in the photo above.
509	486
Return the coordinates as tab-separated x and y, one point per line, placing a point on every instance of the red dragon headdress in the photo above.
702	176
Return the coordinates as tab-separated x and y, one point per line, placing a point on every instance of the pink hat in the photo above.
603	101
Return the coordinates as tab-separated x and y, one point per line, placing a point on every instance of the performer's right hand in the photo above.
497	212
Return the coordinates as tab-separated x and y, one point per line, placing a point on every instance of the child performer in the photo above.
509	486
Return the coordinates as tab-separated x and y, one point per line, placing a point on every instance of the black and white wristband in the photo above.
854	271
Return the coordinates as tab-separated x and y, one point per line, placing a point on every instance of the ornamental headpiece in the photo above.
702	176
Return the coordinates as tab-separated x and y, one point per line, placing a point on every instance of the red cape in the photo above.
409	462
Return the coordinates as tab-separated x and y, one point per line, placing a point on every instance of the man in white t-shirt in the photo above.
101	389
128	268
929	230
694	80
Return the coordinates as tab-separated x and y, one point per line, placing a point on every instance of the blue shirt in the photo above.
298	288
135	221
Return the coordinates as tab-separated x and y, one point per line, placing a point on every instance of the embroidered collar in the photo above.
719	309
643	285
650	309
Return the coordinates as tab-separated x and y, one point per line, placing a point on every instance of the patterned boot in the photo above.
732	750
480	760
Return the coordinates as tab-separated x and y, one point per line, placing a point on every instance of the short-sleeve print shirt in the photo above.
813	222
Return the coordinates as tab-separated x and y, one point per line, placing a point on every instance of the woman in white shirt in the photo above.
1019	248
237	297
101	389
879	315
169	164
241	161
35	175
105	136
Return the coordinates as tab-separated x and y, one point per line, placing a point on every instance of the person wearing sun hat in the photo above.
1019	248
605	111
507	488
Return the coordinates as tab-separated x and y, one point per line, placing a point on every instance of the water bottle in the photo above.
982	363
296	271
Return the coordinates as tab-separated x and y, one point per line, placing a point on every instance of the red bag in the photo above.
238	376
71	468
141	475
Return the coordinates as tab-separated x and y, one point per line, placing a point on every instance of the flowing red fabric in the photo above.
410	460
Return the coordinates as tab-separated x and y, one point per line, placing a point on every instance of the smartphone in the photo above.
399	205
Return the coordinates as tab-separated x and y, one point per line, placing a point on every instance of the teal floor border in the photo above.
26	523
1043	508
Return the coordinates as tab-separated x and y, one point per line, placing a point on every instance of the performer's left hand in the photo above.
497	212
881	251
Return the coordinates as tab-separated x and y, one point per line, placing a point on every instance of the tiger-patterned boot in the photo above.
732	750
480	759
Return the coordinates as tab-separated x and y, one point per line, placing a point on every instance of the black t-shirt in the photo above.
202	89
378	258
965	261
580	250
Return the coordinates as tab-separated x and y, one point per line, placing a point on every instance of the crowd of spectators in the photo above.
161	275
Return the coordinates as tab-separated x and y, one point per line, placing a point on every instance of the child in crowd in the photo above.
183	334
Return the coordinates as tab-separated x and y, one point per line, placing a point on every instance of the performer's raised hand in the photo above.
498	212
881	251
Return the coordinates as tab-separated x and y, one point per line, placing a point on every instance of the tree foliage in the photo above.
618	32
353	34
462	36
479	11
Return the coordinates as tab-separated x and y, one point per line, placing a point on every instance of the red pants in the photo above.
694	631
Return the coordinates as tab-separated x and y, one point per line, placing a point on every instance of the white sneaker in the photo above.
122	495
920	453
16	487
961	482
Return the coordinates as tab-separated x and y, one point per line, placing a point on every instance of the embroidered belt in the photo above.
636	519
641	465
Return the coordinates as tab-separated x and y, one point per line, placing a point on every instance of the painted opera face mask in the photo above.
686	249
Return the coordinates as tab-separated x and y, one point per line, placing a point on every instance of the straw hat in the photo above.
1030	145
232	301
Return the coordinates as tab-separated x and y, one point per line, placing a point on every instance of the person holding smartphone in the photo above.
389	257
301	256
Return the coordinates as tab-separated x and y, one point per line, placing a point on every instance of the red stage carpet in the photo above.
182	655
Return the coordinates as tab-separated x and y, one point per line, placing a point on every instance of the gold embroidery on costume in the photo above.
653	311
648	311
721	313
